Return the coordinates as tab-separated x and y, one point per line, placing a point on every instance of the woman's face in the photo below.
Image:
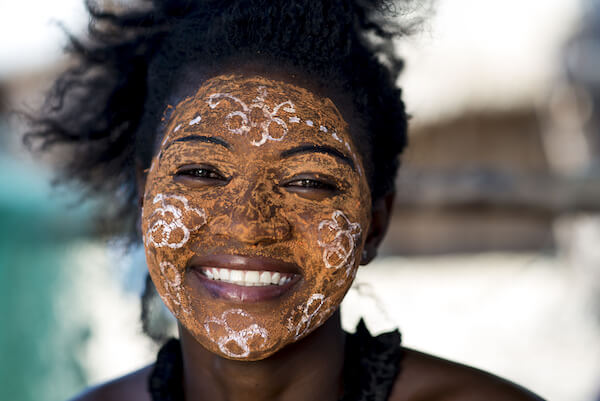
255	213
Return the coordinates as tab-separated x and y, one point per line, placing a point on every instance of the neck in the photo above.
310	369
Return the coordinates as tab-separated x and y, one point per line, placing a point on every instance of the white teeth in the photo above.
252	277
248	278
237	276
265	278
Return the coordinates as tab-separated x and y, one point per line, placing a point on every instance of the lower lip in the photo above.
240	293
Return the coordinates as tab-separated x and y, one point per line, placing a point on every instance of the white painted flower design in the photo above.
255	120
167	227
338	238
172	285
235	343
307	312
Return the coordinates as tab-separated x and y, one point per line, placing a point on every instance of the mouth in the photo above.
244	279
247	278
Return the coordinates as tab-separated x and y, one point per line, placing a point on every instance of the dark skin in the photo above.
310	368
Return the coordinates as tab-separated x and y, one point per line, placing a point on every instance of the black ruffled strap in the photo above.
165	383
372	364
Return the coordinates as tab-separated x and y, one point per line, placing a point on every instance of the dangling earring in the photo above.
364	256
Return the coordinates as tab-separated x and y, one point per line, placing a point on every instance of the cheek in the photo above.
168	223
338	238
170	288
309	315
334	243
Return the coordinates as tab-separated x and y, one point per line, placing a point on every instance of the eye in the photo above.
311	184
314	187
202	175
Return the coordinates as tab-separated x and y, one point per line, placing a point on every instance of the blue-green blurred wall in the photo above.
38	355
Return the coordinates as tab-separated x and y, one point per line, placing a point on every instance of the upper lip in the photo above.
239	262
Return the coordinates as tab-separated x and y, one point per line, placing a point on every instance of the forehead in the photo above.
259	111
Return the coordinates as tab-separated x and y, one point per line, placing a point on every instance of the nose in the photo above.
253	218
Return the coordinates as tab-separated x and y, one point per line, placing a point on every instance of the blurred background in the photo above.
493	255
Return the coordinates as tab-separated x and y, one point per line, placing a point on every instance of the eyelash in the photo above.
309	183
201	172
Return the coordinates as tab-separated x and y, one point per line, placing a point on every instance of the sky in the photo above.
485	53
29	36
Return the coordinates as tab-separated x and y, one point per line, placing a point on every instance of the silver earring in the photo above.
365	255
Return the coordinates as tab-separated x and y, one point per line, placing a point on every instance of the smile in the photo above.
244	278
248	278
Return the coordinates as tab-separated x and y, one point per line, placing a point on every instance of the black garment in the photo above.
370	369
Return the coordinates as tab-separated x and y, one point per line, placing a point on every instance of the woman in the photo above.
260	140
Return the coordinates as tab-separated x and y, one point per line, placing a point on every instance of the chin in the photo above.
233	352
256	355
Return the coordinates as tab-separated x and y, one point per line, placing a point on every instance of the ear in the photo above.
140	180
380	219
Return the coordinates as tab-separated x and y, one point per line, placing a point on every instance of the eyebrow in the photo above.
201	138
319	149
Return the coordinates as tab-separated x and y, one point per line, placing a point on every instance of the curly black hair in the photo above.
105	111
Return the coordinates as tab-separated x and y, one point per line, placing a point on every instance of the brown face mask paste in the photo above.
257	168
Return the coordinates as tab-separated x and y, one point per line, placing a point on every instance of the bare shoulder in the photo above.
426	377
132	387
